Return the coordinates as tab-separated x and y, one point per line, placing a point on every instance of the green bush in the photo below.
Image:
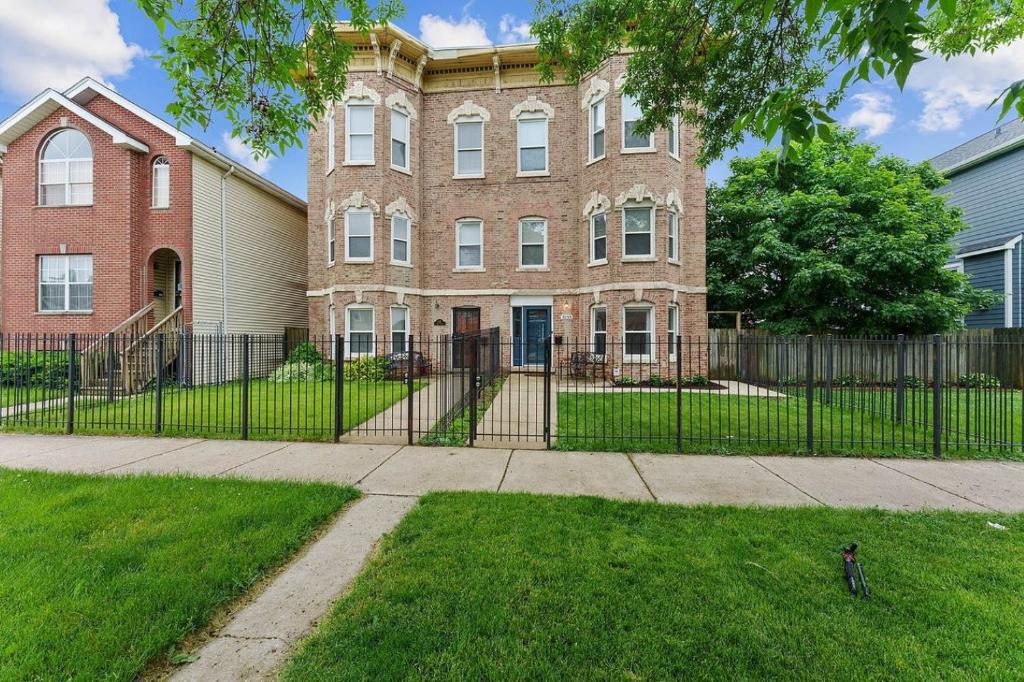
848	381
371	368
625	381
657	382
305	352
696	380
302	371
36	369
977	380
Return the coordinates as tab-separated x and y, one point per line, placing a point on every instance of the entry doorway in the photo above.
531	326
466	326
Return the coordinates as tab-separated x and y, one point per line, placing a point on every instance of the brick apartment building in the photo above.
110	214
450	190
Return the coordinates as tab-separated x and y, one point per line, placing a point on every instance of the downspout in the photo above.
224	246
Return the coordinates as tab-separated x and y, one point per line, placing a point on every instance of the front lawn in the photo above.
11	396
484	586
855	423
302	410
100	575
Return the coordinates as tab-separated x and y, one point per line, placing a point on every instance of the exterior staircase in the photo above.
127	359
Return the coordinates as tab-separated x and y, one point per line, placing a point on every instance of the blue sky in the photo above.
52	43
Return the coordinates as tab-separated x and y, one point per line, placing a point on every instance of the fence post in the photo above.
829	368
159	419
901	377
679	393
110	367
810	393
72	362
339	385
245	387
409	387
937	396
474	372
547	392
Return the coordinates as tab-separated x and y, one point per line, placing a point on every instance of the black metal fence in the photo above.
893	396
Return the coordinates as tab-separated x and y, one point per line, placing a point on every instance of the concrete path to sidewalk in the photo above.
681	479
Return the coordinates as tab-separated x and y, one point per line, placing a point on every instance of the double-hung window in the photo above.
597	130
673	136
673	329
599	238
673	236
399	140
599	329
631	116
399	329
65	284
533	243
637	232
359	235
359	330
359	133
65	170
469	147
331	240
161	182
469	244
533	145
400	239
637	332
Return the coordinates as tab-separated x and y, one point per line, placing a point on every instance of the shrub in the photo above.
370	368
848	381
625	381
977	380
305	352
36	369
696	380
302	371
657	382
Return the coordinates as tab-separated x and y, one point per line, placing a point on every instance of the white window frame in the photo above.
66	258
407	168
332	239
164	164
532	266
593	328
525	118
482	148
650	137
348	213
405	332
645	357
672	237
638	257
594	238
348	330
458	243
331	138
673	137
67	171
368	103
672	325
593	129
407	240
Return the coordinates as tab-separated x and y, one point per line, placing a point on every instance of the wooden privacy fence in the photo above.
757	356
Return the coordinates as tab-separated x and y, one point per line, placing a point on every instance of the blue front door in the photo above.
531	325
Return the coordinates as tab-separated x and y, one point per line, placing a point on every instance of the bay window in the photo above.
599	238
637	232
400	239
631	116
637	332
597	130
359	235
359	133
399	329
673	236
359	330
399	140
599	329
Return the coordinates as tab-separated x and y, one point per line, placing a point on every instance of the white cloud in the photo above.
243	153
465	32
952	90
874	113
54	43
513	30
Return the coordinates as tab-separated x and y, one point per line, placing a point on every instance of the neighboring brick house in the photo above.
107	209
451	190
985	178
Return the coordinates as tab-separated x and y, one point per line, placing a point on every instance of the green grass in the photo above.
483	586
99	575
10	396
301	410
634	421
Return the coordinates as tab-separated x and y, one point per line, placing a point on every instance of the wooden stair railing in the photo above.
94	362
140	362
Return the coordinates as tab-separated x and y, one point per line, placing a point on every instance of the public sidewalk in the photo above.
412	471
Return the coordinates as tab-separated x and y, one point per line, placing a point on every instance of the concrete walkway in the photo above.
413	471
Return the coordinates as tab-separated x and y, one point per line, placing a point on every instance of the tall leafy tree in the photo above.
729	67
836	239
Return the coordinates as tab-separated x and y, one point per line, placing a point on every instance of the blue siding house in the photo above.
986	180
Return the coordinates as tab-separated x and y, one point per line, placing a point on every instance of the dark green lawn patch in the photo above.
99	575
483	586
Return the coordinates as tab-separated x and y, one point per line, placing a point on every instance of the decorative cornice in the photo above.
398	100
674	201
359	90
598	203
396	45
467	109
400	206
639	194
597	89
376	51
360	200
532	105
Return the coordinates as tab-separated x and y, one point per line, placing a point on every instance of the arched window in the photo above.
161	182
65	170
